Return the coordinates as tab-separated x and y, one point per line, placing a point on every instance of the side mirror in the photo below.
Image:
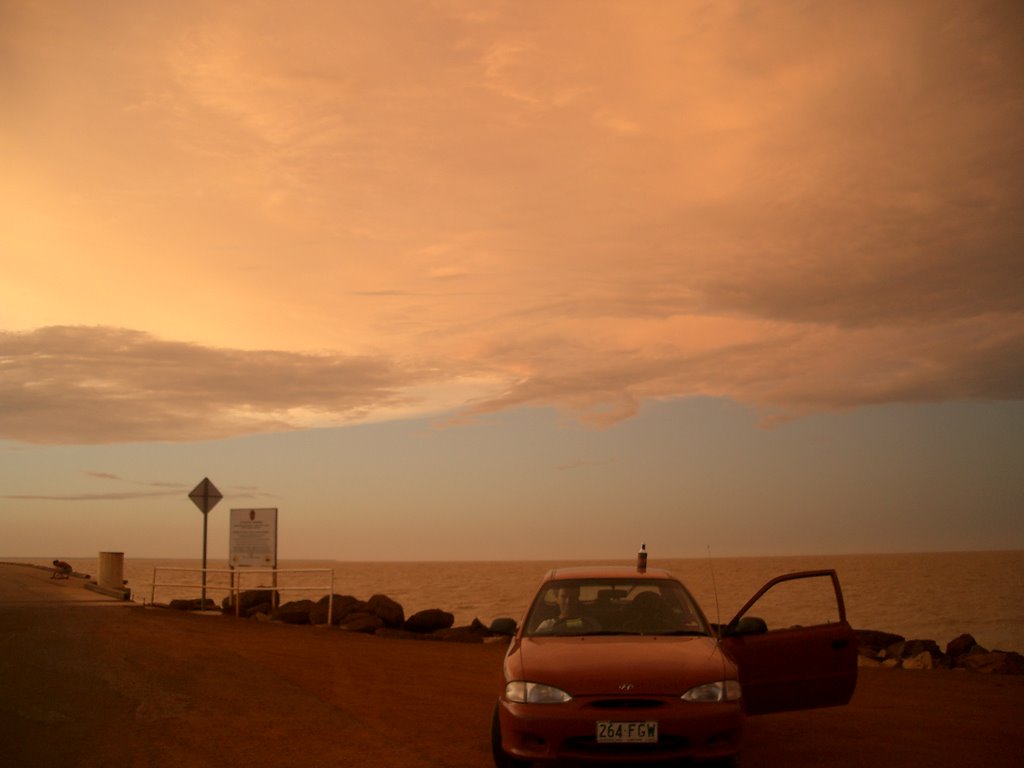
748	625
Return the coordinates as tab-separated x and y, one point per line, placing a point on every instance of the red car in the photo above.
615	664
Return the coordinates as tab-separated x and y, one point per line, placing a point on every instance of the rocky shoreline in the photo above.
382	616
884	649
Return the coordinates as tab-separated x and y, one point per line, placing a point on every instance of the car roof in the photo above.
606	572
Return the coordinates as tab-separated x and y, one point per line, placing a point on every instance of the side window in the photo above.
797	602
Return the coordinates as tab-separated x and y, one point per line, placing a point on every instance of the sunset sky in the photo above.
517	280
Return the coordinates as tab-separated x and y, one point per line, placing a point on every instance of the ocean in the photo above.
935	596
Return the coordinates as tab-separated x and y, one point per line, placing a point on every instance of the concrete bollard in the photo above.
111	574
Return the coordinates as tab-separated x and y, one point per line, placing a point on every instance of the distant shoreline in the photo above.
11	559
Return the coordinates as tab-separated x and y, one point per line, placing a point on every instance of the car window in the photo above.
790	604
614	606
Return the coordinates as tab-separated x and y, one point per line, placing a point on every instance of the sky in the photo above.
468	280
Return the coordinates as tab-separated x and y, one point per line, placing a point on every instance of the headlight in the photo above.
535	693
726	690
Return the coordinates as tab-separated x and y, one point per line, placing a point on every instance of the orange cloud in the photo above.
426	209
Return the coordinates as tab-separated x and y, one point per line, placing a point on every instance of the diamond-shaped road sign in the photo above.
205	495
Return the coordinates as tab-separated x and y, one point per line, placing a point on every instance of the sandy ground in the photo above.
87	681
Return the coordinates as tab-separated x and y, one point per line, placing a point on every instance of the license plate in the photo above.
609	732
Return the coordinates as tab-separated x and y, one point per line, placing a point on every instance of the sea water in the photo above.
935	596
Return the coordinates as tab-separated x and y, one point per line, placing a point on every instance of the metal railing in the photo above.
235	587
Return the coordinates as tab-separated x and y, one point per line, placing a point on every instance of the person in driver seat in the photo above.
568	599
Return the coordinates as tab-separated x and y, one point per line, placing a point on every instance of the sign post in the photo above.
205	496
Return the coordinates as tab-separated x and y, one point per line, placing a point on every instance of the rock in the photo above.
318	614
872	643
247	600
474	633
904	649
963	645
503	626
390	612
195	604
294	612
343	605
362	621
429	620
260	611
922	660
868	661
993	663
943	662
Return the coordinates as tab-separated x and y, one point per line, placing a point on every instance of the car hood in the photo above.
599	666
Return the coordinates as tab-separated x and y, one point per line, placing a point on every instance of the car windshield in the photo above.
619	606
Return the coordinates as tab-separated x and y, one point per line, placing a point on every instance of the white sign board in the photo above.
253	538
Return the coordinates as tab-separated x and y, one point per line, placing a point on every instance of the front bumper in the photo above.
692	730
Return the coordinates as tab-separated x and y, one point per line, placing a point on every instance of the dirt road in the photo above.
86	681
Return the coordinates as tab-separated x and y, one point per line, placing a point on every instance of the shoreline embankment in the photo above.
383	616
924	595
90	681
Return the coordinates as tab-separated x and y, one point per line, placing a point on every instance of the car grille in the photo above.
626	704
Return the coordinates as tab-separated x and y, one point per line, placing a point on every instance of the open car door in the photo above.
798	652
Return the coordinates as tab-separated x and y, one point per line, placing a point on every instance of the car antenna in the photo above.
714	587
718	612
